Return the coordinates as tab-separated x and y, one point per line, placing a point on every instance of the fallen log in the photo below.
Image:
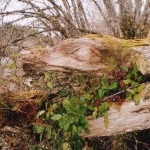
99	56
128	118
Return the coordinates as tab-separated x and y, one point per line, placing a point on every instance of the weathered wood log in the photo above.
90	55
128	118
78	54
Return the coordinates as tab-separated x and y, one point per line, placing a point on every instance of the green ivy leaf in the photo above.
85	97
104	107
56	117
62	122
76	119
103	81
105	114
71	120
133	83
82	110
134	72
82	120
131	91
66	104
101	93
106	121
129	98
85	124
139	79
48	131
135	90
66	126
129	76
129	94
94	115
90	107
74	129
87	131
79	130
136	98
38	129
112	85
141	87
95	109
128	81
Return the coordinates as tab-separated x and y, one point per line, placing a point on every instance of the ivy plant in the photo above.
133	80
62	122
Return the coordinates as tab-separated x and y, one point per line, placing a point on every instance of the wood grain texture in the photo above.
87	55
129	118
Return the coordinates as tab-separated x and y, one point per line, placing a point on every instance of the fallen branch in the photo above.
127	119
120	92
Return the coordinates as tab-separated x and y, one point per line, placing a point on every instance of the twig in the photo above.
123	91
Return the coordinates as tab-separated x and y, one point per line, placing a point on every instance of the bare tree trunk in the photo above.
138	4
146	13
75	13
84	15
69	17
71	29
128	8
102	13
121	8
65	3
129	22
80	12
113	19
